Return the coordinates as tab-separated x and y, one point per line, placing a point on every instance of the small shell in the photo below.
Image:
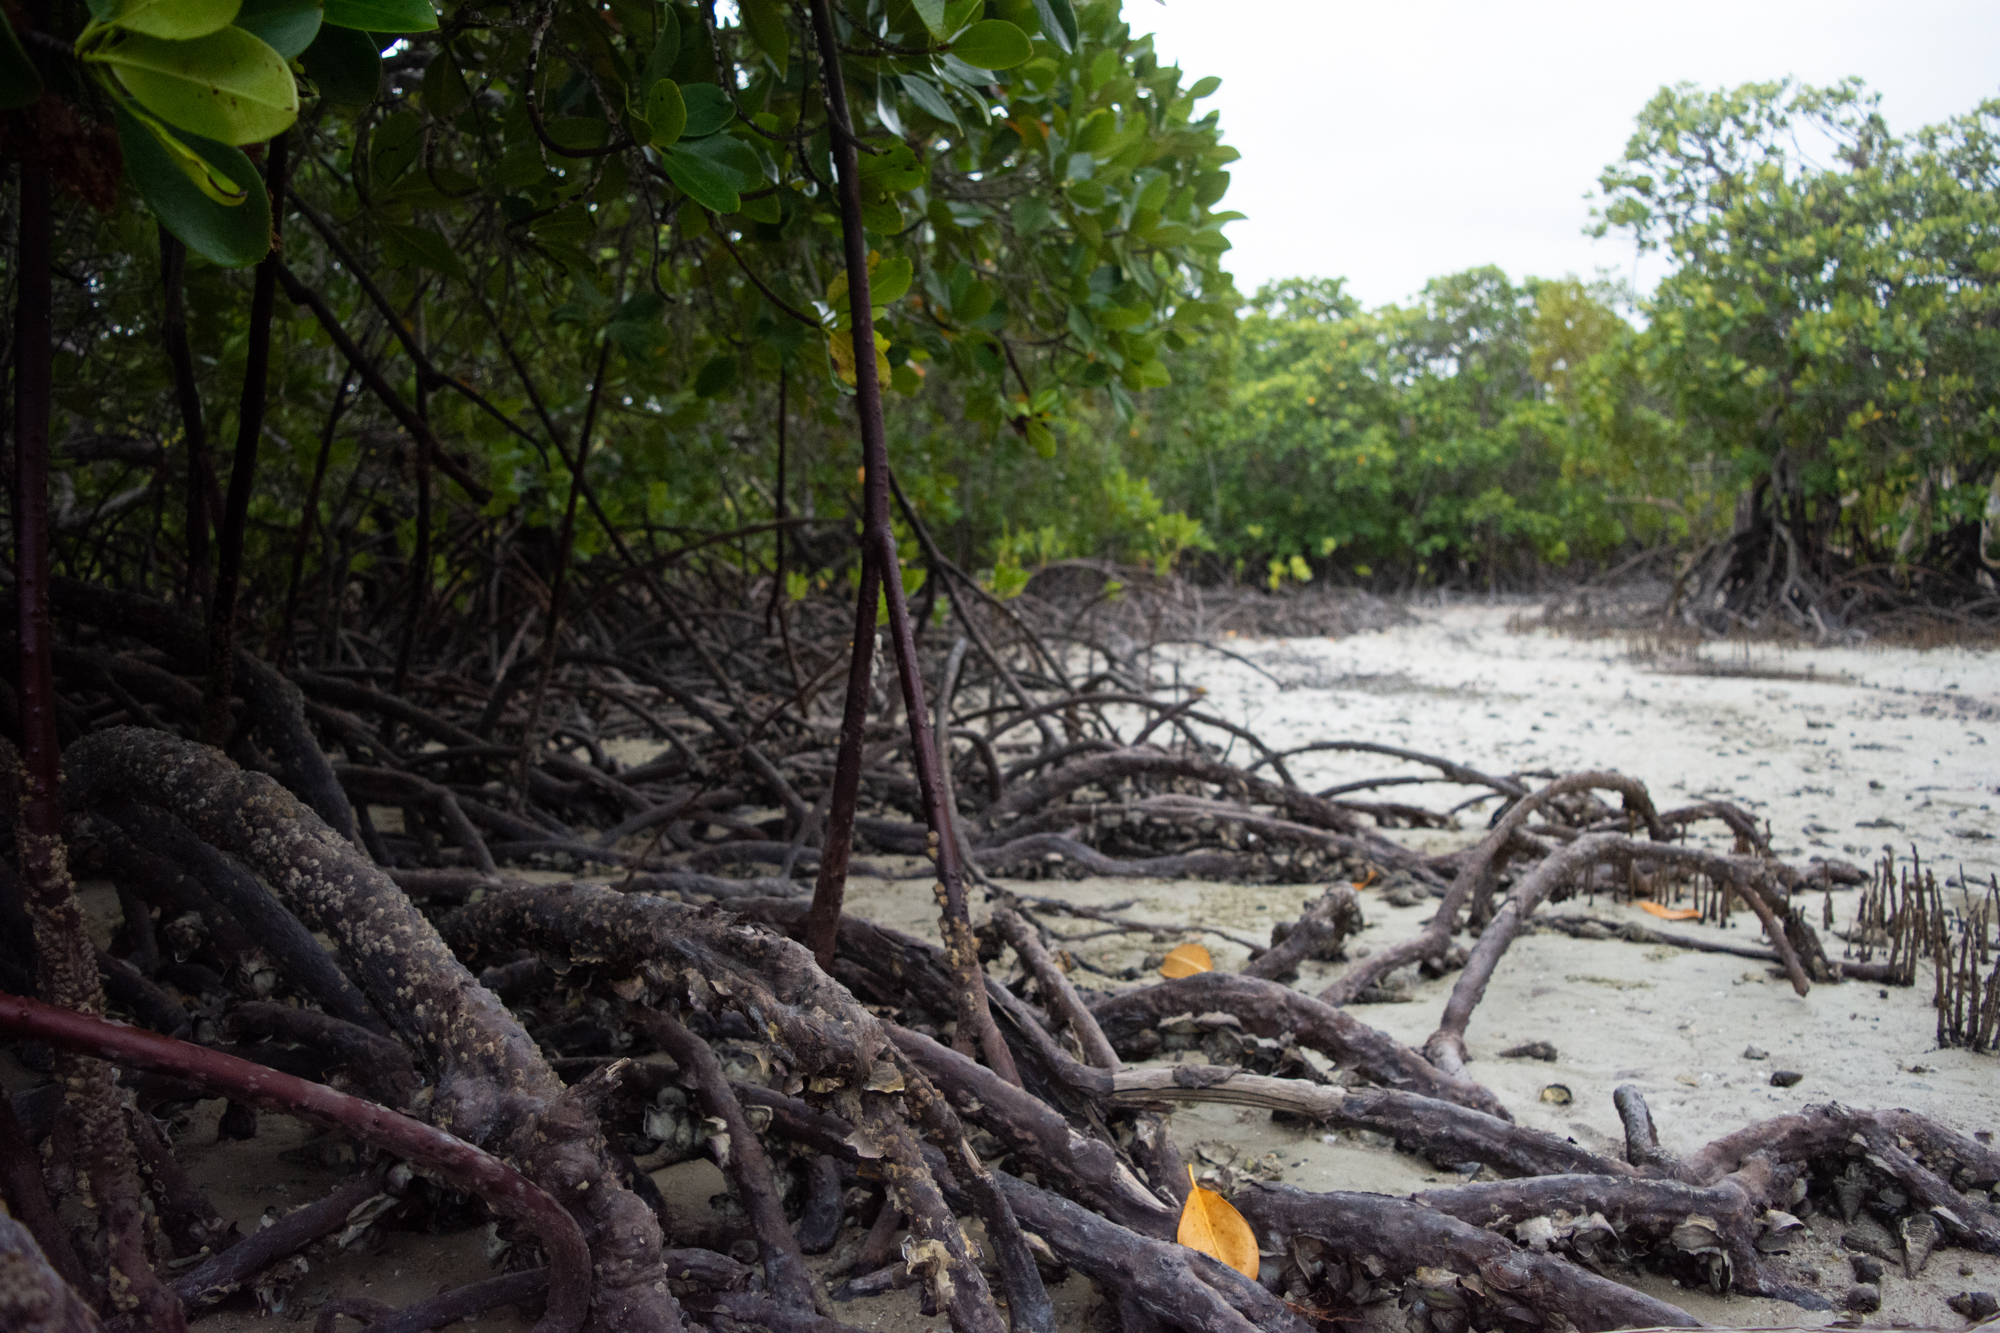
1557	1095
1698	1233
1780	1230
1920	1237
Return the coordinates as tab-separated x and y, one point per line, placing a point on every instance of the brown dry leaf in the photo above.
1210	1224
1670	913
1186	961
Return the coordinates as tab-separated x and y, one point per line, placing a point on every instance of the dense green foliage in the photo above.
1822	357
613	220
1830	332
613	223
1485	427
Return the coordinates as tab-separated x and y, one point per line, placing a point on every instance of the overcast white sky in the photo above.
1392	142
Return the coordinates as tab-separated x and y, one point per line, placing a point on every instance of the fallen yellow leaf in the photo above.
1210	1224
1186	961
1670	913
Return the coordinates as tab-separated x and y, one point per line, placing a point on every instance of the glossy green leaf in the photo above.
666	113
765	20
228	86
445	92
382	15
729	153
345	65
882	216
666	48
174	20
894	168
1058	22
926	95
20	82
885	106
1204	87
992	44
286	26
888	280
1031	215
708	109
713	187
958	13
393	147
932	13
403	246
229	234
228	189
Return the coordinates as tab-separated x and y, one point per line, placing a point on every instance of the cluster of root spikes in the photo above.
334	919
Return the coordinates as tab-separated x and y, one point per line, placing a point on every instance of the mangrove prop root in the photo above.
504	759
1056	988
1444	1132
67	973
1446	1047
749	1169
1402	1236
493	1083
1268	1009
1476	874
224	1273
33	1297
1320	929
506	1190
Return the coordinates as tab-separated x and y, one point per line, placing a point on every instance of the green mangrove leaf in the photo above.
888	280
174	20
345	65
708	109
420	245
228	86
666	112
286	26
766	21
382	15
713	187
932	13
233	234
992	44
1058	22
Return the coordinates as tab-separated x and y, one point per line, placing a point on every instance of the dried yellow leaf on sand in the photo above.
1186	961
1669	913
1209	1223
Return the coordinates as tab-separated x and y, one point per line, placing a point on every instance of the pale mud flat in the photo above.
1841	750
